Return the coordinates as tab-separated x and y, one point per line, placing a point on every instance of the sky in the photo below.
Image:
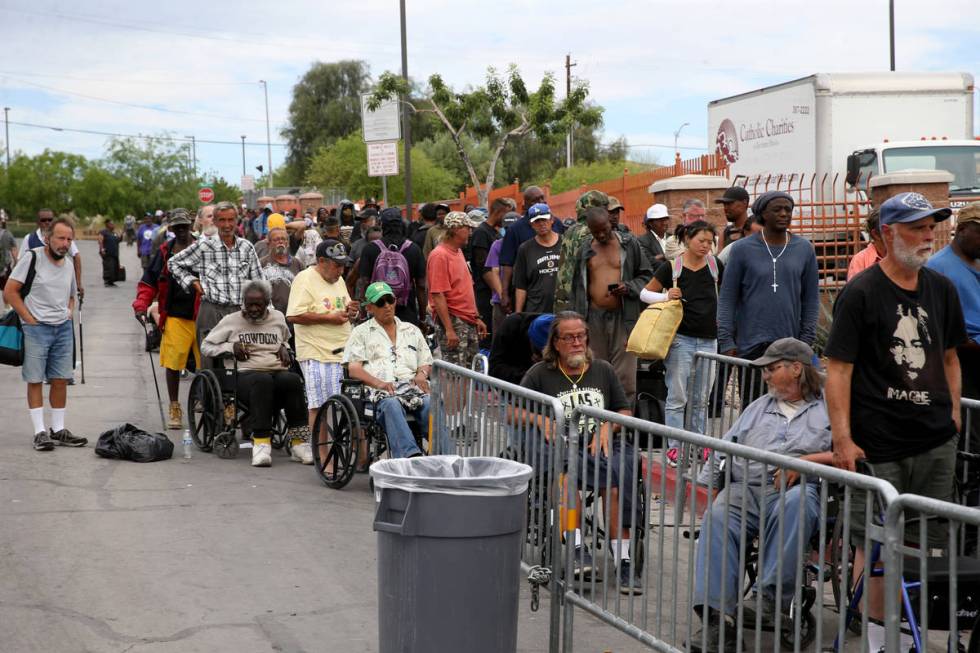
192	68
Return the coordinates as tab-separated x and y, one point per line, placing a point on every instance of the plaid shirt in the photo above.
221	271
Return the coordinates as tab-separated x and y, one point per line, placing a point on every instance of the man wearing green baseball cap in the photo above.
392	358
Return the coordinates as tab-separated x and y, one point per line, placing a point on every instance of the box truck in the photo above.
848	126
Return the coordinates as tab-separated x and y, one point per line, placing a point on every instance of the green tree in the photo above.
44	180
344	165
158	169
99	192
326	106
500	111
591	173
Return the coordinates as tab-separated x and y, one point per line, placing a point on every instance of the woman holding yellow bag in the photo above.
693	278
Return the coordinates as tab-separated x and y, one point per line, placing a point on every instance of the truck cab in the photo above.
961	158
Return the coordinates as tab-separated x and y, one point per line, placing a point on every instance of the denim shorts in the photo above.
48	352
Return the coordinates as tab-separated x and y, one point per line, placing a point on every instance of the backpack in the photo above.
392	268
712	268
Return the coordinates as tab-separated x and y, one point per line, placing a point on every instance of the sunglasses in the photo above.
384	301
45	219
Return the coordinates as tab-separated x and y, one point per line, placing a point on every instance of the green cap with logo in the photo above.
376	291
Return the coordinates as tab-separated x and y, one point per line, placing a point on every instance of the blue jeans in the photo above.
48	352
391	415
680	366
724	544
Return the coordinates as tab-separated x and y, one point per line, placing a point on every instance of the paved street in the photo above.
209	555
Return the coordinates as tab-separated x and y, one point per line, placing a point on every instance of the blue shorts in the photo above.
48	352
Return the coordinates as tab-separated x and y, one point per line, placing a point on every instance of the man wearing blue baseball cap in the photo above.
536	265
517	345
893	385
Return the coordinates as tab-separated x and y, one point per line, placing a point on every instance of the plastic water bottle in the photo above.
188	445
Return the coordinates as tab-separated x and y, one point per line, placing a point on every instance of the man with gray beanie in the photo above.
770	288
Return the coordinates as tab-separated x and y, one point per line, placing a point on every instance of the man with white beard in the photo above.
280	268
893	386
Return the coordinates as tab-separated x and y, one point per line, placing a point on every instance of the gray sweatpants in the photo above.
607	338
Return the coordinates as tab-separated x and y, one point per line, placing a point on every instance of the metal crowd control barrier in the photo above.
477	415
793	551
718	388
932	576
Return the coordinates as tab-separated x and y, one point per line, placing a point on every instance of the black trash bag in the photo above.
128	442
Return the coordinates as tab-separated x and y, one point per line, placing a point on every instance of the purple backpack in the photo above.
392	268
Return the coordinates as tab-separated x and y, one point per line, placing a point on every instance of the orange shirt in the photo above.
862	261
447	273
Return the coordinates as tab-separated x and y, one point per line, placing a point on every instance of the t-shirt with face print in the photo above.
897	339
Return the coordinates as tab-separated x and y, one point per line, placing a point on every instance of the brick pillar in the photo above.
932	184
674	191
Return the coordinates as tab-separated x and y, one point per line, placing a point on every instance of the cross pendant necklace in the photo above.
774	258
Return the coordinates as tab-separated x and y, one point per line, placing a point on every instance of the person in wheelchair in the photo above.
257	337
393	359
569	373
791	420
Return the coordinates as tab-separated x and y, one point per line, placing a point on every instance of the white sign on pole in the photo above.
382	124
248	182
382	159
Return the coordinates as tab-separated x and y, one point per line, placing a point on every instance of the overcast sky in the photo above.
191	68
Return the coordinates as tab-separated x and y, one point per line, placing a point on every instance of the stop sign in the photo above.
205	194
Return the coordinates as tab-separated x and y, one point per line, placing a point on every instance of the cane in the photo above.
81	338
156	384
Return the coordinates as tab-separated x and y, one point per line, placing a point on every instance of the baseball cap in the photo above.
477	215
733	194
785	349
391	215
455	219
367	213
909	207
590	199
179	217
376	291
657	212
333	250
539	211
159	213
537	334
614	204
969	213
275	221
511	217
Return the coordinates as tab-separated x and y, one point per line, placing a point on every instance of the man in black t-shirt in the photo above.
569	373
893	386
393	235
480	243
536	266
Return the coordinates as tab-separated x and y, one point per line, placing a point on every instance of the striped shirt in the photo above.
221	271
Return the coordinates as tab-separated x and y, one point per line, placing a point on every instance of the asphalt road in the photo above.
206	555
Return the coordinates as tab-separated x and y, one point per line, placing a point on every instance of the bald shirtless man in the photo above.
606	289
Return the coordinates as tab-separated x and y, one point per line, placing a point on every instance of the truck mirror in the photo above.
853	170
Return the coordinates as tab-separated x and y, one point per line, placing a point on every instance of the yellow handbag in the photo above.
655	330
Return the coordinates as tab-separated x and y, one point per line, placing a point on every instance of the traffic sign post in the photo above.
205	194
383	162
382	124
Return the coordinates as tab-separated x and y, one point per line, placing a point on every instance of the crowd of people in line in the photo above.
296	299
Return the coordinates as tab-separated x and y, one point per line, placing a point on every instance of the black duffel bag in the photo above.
128	442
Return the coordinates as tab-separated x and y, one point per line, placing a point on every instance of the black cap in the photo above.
733	194
333	250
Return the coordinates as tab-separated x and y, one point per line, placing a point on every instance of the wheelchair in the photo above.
215	414
347	437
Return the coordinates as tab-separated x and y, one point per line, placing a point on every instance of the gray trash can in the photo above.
450	531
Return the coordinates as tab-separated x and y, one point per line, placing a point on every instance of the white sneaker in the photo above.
302	453
262	455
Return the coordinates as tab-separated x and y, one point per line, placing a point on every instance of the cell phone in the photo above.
612	286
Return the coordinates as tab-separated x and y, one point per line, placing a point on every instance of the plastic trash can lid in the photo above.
483	476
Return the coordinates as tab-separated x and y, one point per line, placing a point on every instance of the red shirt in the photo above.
447	273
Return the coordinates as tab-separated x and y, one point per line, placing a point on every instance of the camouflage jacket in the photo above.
571	243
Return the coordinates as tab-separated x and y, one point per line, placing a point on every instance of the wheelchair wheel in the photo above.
205	409
226	445
808	632
279	438
336	433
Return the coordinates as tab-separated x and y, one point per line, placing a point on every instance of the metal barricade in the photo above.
932	575
477	415
780	528
718	388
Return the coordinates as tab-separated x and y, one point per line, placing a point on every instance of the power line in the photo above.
174	139
153	82
130	104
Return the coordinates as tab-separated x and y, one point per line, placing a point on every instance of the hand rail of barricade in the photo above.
498	410
631	616
895	550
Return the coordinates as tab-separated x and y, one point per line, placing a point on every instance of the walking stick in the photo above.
81	339
156	384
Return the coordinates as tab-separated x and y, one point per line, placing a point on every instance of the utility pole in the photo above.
891	31
406	117
268	131
6	128
243	155
568	94
193	155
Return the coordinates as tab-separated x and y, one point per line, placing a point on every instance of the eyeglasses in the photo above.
384	301
574	337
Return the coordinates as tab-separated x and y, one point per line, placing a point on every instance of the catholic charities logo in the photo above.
727	141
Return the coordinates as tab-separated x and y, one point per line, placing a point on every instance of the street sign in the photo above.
382	124
205	194
382	159
248	182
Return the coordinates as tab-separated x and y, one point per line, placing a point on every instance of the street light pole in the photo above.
243	155
891	31
268	131
676	136
6	128
193	154
406	124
